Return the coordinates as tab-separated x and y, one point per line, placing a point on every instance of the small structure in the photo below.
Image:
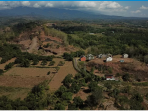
109	77
82	58
109	59
121	60
89	57
104	55
125	55
91	33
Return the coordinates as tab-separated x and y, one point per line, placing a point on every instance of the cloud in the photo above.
137	11
25	3
64	4
106	7
143	7
127	7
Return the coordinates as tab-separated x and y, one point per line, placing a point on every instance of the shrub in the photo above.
74	88
67	80
67	96
126	77
61	63
59	106
44	62
92	86
78	101
48	73
8	66
108	85
51	63
95	98
1	71
146	96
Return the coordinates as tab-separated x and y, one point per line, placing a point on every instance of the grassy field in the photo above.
14	93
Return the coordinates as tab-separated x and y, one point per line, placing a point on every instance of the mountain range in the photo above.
56	13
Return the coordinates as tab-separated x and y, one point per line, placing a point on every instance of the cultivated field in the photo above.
25	77
56	82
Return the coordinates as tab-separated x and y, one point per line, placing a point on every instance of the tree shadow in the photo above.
86	91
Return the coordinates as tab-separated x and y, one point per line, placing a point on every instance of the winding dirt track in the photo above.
34	45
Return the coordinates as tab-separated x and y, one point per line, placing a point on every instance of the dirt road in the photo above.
34	45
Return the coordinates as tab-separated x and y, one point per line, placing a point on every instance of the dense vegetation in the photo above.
114	40
9	51
93	39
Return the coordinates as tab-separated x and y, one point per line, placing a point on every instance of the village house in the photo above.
82	58
125	55
109	77
89	57
104	55
109	59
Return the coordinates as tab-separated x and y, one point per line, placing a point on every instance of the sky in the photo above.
119	8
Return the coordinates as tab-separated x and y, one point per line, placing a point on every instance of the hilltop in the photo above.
41	64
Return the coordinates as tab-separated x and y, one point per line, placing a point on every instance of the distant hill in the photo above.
56	13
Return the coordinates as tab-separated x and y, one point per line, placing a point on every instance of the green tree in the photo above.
78	102
59	106
25	63
1	71
96	98
51	63
57	68
108	85
44	62
35	61
68	80
126	77
48	73
8	66
61	63
74	87
67	96
93	85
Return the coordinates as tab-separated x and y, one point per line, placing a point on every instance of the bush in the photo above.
8	66
126	77
74	88
67	96
146	96
1	71
108	85
59	106
95	98
78	102
48	73
67	80
35	61
92	86
25	63
51	63
61	63
122	102
60	91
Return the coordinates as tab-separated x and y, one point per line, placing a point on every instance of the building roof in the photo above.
82	56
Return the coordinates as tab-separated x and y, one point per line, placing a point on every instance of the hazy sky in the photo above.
121	8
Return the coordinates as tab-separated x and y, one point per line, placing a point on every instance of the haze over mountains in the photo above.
56	13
